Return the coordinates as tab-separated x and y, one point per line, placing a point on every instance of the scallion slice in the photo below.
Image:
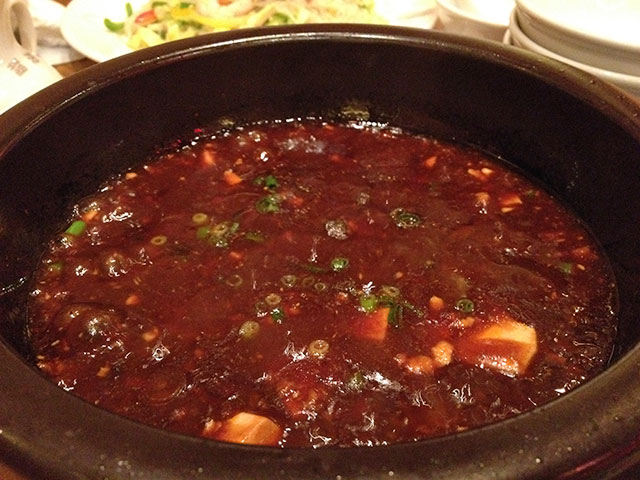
464	305
339	264
76	228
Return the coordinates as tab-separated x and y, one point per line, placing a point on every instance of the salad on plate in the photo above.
160	21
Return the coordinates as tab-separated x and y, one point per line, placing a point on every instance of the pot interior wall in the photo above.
548	122
578	152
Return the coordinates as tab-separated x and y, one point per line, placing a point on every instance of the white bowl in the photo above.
475	18
517	37
601	33
408	13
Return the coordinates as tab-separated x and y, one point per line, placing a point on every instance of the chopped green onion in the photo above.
356	382
464	305
220	234
279	19
234	280
394	317
308	281
565	267
346	286
413	308
318	348
200	218
313	268
277	314
158	4
369	303
220	229
159	240
257	237
273	299
76	228
185	4
55	267
337	229
320	287
268	204
339	263
390	291
129	9
249	329
404	219
202	233
113	26
261	308
271	182
288	280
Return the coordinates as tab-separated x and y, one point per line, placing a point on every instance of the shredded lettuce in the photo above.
162	21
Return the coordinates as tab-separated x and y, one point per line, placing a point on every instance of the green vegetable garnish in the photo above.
288	280
249	329
268	204
277	314
113	26
566	267
390	291
185	4
257	237
273	299
404	219
339	264
356	382
158	4
396	312
279	19
55	267
261	308
308	281
159	240
369	303
313	268
129	9
234	280
271	182
203	232
200	218
320	287
76	228
464	305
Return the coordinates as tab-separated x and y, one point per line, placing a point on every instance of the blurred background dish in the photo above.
475	18
517	37
603	34
83	23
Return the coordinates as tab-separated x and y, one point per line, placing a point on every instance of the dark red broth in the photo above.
305	284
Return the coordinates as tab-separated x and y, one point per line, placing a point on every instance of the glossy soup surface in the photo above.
310	284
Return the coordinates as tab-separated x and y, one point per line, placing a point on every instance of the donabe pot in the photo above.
578	136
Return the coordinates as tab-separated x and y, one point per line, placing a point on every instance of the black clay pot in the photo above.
575	134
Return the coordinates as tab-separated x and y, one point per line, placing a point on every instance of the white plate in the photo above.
475	18
609	22
518	38
82	24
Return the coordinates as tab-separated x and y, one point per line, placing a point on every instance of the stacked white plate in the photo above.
475	18
601	37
